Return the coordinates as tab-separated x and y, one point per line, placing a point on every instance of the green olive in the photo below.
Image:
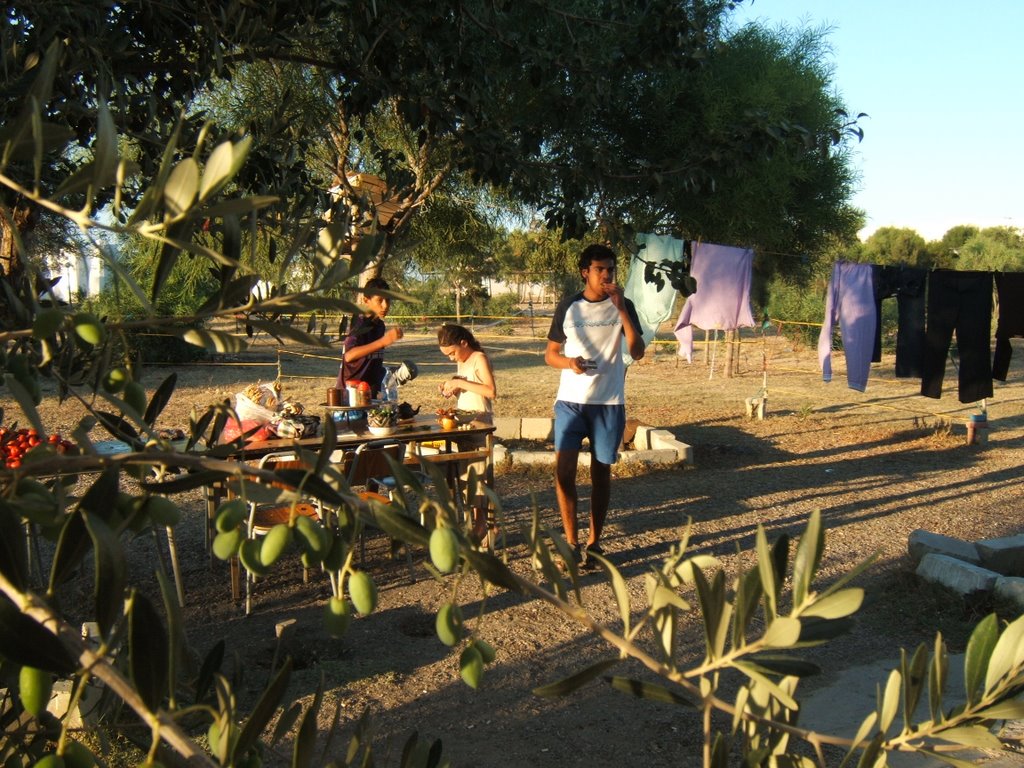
444	549
89	328
337	616
363	592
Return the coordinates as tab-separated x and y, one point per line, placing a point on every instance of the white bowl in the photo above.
381	431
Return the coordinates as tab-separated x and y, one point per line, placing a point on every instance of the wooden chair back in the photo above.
370	460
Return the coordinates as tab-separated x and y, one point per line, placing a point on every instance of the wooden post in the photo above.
729	351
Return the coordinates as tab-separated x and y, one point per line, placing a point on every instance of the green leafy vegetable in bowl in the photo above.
382	417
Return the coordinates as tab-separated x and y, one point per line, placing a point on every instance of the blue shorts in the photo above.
603	424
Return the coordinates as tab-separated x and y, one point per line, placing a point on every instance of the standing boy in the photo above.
363	355
585	342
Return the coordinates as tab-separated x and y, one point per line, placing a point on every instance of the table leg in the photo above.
214	493
175	566
236	581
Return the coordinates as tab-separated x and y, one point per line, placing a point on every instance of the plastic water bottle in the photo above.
389	387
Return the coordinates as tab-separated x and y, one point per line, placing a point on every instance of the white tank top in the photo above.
471	401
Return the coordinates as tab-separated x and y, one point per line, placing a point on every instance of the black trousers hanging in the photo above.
1010	289
961	302
907	284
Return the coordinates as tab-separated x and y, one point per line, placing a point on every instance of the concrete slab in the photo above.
537	429
502	456
507	428
1011	589
922	542
841	705
533	458
961	577
1004	555
662	439
651	445
642	438
663	456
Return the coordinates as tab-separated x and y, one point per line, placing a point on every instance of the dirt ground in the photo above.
878	464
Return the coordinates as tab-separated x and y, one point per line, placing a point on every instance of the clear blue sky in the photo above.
943	85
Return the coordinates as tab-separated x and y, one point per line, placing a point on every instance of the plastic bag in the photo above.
248	410
233	429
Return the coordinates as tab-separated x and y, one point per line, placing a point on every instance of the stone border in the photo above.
653	445
991	566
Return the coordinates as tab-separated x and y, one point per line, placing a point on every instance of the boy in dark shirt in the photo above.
363	356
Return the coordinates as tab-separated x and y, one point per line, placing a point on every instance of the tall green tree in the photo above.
897	245
748	144
453	241
992	249
537	254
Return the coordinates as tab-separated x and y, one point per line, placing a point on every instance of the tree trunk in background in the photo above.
12	266
23	219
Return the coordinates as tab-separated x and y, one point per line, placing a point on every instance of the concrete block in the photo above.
662	456
537	429
963	578
85	714
642	439
922	542
507	428
502	456
533	458
1011	589
662	439
1004	555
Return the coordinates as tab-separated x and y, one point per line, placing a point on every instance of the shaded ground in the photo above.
878	465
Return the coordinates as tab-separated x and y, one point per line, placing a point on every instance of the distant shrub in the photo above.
160	346
796	304
164	347
503	305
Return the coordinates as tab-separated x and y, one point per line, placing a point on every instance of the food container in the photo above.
358	393
335	396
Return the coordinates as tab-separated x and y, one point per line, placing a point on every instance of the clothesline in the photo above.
933	305
959	302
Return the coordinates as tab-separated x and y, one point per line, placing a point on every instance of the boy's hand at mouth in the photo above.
613	292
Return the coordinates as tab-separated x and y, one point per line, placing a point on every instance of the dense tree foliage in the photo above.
897	245
991	249
640	115
691	155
